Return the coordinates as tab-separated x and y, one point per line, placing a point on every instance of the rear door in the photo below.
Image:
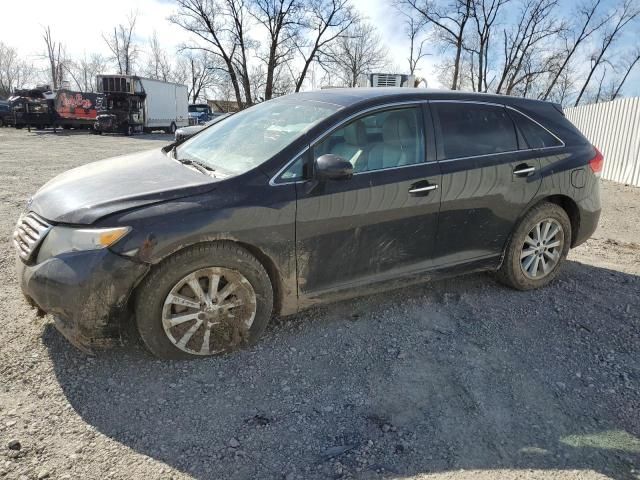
489	176
379	224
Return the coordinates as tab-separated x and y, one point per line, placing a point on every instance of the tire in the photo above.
172	128
516	270
153	314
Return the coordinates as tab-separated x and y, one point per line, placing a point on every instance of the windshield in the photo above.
251	137
198	108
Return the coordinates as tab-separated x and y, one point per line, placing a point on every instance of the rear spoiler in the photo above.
558	107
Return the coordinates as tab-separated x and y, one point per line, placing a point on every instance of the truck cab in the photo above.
123	106
199	114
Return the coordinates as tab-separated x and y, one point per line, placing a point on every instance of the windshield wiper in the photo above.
201	166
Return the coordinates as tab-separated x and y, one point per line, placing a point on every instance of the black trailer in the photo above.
33	108
41	108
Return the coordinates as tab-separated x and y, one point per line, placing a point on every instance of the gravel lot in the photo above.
455	379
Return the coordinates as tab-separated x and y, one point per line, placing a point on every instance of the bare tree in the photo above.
84	71
624	15
525	56
157	65
56	56
282	21
587	26
14	72
414	28
357	52
450	21
635	58
120	42
221	27
201	73
325	21
484	14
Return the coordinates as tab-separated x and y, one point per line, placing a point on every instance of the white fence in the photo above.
613	127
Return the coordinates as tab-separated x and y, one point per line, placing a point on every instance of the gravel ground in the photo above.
454	379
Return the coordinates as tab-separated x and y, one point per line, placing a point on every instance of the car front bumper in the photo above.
86	292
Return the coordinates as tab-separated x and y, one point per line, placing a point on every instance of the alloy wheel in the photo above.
209	311
542	249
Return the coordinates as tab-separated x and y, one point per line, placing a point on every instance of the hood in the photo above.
87	193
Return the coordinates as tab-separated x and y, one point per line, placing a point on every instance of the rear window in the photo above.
469	129
535	135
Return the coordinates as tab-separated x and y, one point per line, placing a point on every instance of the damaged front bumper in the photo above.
86	292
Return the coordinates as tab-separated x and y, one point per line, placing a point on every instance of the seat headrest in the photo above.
397	130
355	134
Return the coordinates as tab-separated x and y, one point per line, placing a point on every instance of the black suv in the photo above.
308	198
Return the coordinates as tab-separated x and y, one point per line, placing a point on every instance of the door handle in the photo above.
426	188
523	170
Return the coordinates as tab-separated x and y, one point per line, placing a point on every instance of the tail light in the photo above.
597	162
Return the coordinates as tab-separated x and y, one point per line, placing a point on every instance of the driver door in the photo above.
380	223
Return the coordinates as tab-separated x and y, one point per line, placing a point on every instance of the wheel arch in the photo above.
275	276
563	201
571	208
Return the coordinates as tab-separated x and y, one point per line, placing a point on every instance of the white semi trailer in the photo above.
135	104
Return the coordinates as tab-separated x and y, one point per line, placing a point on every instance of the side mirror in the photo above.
333	167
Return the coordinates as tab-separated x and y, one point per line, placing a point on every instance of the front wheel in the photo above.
203	301
537	248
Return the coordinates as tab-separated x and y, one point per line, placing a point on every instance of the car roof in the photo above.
346	97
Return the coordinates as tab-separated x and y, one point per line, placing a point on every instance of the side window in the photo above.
386	139
295	172
469	129
535	135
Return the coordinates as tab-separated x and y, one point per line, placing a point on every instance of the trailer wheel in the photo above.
129	131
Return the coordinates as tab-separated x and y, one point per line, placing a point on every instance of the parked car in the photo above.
308	198
187	132
5	114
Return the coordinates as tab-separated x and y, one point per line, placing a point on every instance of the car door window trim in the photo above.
273	181
336	126
493	104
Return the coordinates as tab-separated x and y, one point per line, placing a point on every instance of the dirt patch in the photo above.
454	379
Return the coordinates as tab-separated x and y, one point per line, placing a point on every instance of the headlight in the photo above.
65	239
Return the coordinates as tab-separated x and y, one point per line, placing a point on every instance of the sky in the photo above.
80	27
79	24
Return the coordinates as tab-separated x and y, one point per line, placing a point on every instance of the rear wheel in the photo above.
537	248
203	301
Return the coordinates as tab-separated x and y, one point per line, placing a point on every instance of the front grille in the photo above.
29	233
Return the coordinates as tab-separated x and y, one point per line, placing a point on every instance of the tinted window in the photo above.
470	129
534	134
386	139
